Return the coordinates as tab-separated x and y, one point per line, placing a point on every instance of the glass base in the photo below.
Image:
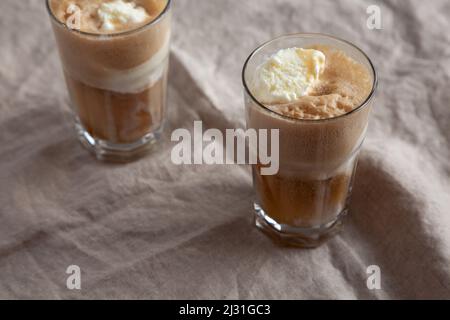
296	236
122	153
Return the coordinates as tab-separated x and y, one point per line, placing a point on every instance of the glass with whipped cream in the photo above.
317	90
115	57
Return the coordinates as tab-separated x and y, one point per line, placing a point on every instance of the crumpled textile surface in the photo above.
151	229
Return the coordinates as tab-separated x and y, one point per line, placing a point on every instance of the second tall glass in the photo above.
117	85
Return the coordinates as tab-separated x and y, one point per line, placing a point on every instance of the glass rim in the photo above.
110	35
311	35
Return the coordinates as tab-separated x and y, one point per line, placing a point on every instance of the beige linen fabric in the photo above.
151	229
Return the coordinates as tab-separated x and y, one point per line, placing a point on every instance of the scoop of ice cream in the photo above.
287	75
118	13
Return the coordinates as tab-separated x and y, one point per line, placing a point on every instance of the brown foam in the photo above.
343	86
95	57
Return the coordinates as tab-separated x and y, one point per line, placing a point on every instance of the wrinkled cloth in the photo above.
151	229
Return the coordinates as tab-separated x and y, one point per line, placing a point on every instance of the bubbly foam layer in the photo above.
125	63
343	85
132	80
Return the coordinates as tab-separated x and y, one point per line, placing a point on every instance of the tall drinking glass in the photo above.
304	203
117	83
